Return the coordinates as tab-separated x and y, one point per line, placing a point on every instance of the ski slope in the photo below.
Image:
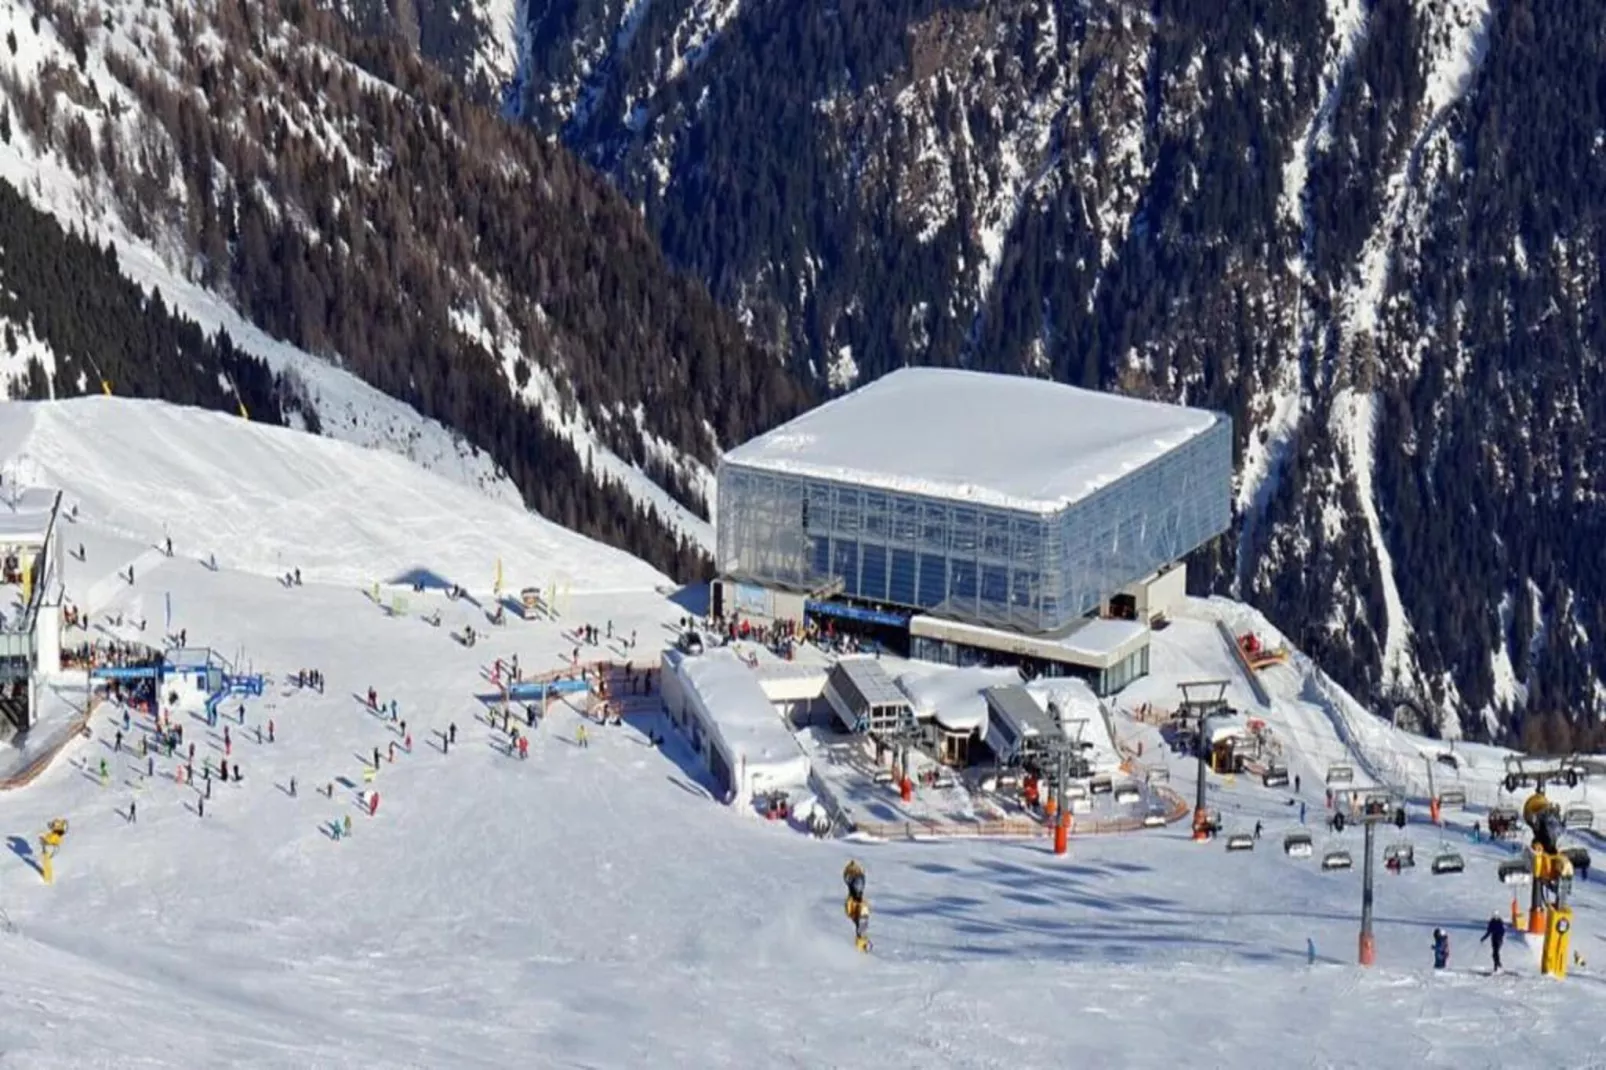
591	906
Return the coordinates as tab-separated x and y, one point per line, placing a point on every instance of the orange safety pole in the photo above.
1062	829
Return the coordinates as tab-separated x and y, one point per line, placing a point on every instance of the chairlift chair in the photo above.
1240	841
1103	784
1401	855
1579	857
1154	819
1275	776
1298	844
1341	774
1127	794
1336	859
1515	871
1447	862
1578	817
1452	797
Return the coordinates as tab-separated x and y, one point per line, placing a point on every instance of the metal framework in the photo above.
1200	699
1029	572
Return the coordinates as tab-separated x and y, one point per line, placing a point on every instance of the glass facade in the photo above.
1028	572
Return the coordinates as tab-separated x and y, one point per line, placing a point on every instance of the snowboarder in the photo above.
1441	949
1495	933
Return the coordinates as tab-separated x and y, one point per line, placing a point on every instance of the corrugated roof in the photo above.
1016	705
869	683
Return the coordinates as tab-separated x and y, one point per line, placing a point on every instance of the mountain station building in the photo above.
968	518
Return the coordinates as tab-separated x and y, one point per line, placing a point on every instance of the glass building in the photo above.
1030	572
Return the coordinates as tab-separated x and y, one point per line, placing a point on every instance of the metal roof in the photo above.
863	682
1014	704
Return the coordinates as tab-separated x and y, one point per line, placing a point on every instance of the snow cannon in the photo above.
1544	818
856	907
49	843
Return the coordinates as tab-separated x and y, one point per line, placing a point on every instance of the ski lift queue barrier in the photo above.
1017	828
41	761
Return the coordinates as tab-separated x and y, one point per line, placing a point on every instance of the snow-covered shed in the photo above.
717	701
1082	716
1018	728
953	706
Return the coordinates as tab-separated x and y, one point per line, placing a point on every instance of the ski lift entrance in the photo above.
1240	841
1578	817
1341	774
1298	844
1452	797
1275	776
1399	856
1336	860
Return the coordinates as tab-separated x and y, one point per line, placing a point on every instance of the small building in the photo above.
950	706
865	699
30	638
1018	729
1229	739
717	702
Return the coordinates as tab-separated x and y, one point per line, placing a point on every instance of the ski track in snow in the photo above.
582	908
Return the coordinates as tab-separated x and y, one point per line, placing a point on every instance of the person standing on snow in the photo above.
1441	949
1495	933
580	737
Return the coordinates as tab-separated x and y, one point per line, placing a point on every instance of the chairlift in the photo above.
1298	844
1127	794
1341	774
1447	862
1154	819
1503	821
1240	841
1275	776
1515	871
1399	856
1452	797
1074	790
1103	784
1578	817
1336	860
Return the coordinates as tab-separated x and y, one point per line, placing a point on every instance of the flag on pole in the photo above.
169	611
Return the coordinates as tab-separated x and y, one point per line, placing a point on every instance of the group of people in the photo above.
1494	934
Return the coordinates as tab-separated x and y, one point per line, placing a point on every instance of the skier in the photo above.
133	815
1296	784
1302	811
1257	830
200	807
125	719
346	825
376	757
118	745
292	787
524	747
270	730
1495	933
580	737
391	754
1441	949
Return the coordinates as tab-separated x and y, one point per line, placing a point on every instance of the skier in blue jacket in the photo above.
1441	949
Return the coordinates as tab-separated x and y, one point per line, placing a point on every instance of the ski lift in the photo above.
1127	794
1399	856
1336	860
1240	841
1452	797
1515	871
1298	844
1275	776
1578	817
1103	784
1154	819
1447	862
1341	774
1074	790
1503	821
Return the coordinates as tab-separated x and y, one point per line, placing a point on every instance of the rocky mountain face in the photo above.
1369	229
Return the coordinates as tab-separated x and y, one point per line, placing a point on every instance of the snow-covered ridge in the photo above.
267	499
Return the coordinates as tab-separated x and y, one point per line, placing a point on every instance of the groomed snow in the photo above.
266	499
999	440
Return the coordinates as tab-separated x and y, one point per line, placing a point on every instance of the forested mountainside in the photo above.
1369	229
355	202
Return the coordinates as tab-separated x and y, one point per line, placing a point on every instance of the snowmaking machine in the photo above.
49	844
1553	865
857	907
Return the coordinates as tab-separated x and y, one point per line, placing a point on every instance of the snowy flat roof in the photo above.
1095	642
738	710
999	440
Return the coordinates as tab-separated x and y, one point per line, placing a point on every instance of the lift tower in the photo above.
1201	699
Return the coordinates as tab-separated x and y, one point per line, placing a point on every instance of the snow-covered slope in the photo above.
267	500
591	906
